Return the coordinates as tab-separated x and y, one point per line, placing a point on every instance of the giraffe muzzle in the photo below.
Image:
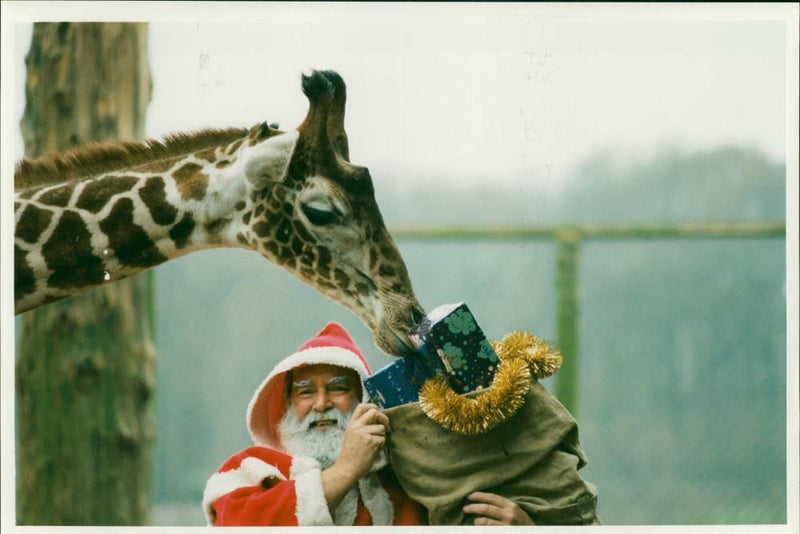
391	335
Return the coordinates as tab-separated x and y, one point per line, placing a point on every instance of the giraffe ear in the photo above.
269	160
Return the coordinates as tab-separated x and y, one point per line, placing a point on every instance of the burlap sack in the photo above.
532	458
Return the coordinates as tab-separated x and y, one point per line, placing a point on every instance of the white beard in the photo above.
323	444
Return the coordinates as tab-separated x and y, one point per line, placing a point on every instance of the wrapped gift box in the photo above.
398	383
450	341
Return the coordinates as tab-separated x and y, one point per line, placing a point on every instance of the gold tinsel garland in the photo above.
521	355
543	359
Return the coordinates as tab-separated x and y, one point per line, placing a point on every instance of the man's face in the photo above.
320	387
322	399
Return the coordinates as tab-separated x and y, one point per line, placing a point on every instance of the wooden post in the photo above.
85	365
568	243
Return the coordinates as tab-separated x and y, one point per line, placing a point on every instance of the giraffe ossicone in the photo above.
104	212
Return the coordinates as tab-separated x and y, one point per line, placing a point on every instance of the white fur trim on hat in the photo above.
251	472
322	355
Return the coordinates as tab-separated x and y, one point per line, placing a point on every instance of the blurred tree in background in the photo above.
85	366
726	183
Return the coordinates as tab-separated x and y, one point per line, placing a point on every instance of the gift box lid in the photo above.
440	312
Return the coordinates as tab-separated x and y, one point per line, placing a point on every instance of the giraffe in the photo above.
97	214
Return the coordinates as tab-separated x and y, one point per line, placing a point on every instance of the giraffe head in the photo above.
314	213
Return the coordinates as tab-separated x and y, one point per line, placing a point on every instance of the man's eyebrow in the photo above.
301	383
341	379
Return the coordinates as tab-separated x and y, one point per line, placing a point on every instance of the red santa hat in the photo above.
333	346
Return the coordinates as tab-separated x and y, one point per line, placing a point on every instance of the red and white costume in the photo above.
264	485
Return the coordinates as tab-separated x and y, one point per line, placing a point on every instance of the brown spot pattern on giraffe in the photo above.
273	217
373	257
24	279
58	196
387	271
180	232
341	278
284	232
271	247
32	223
261	228
279	193
234	146
191	183
97	193
68	253
154	196
324	257
297	246
131	244
302	233
215	227
389	252
208	155
362	288
308	257
286	258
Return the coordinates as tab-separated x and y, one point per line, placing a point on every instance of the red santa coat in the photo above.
260	486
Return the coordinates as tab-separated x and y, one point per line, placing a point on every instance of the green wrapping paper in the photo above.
451	342
532	458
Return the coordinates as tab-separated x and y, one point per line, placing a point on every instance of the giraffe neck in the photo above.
87	232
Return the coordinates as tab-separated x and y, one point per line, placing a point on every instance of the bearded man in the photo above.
318	458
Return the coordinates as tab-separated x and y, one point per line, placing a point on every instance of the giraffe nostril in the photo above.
417	315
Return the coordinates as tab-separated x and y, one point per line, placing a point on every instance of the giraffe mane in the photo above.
99	158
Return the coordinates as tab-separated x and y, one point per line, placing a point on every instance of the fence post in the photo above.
567	243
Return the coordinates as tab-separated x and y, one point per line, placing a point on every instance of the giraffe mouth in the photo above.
393	336
403	344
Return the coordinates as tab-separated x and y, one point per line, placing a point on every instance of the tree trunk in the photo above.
85	365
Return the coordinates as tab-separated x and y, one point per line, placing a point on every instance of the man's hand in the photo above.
364	439
492	509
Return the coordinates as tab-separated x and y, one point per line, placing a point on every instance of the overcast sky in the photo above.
517	93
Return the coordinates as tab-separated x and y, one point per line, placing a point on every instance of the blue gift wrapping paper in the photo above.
396	384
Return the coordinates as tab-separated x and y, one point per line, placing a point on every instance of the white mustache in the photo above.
331	414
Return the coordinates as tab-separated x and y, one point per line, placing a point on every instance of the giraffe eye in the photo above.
319	214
